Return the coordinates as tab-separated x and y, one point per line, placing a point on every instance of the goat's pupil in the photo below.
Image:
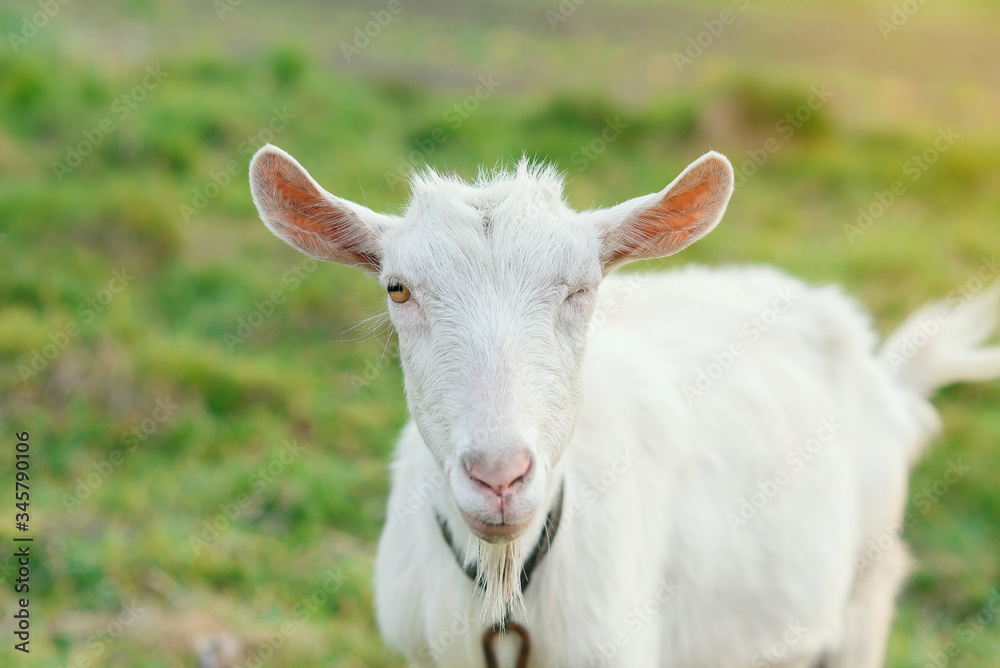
398	293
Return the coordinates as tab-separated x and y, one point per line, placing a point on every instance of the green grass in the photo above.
185	329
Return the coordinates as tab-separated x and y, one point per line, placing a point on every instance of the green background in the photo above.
164	398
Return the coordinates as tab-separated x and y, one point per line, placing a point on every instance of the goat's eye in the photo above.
399	292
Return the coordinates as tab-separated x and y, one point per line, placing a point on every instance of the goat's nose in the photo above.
499	475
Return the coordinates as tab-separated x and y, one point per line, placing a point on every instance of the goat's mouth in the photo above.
496	532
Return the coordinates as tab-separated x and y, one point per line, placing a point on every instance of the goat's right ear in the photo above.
308	218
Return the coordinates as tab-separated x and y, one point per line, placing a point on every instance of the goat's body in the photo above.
732	448
749	513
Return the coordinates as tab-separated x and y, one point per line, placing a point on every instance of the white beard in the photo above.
499	570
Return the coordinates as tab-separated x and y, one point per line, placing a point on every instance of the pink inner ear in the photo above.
678	215
669	224
309	220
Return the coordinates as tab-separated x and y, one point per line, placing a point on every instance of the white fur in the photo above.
701	392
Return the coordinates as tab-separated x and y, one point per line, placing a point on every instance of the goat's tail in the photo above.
942	343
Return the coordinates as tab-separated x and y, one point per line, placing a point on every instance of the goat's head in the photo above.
491	287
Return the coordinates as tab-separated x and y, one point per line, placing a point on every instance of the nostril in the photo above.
524	475
503	475
479	481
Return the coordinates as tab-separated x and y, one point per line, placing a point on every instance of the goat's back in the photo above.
769	445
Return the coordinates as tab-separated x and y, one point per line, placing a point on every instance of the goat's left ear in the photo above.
663	223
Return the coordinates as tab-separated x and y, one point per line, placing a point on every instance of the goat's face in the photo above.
501	282
491	288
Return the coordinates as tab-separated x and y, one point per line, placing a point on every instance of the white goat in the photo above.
727	466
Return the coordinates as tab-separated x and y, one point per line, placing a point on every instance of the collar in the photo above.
541	548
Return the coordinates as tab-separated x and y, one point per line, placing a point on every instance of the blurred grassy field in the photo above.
177	366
